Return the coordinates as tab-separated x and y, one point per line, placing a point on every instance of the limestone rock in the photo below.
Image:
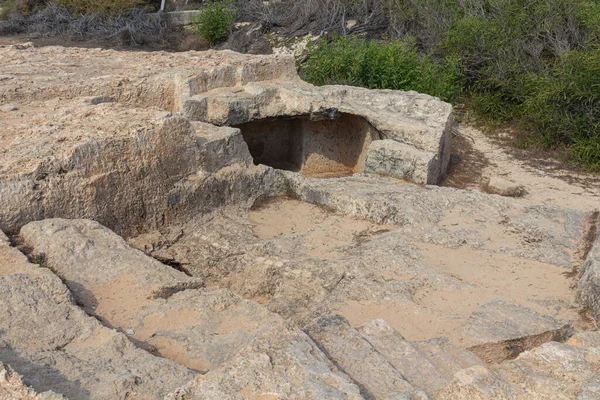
8	107
398	160
477	383
55	346
152	170
13	388
355	355
588	287
414	365
281	364
500	330
447	358
569	370
425	126
89	256
199	329
504	187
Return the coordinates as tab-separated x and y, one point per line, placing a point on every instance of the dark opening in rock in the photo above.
325	147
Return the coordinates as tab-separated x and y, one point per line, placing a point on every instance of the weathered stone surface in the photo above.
588	287
55	346
554	370
13	388
414	365
500	330
220	147
477	383
282	364
357	357
8	107
446	357
546	233
504	187
88	256
155	79
144	171
419	122
398	160
199	329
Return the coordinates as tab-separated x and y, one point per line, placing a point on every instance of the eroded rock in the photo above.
55	346
357	357
500	330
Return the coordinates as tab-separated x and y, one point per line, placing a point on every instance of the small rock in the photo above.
9	107
130	332
504	187
101	99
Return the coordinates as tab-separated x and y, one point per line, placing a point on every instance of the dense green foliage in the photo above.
393	65
534	63
215	21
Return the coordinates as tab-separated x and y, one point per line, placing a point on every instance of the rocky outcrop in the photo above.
588	287
362	286
501	330
357	357
421	124
13	388
55	346
149	169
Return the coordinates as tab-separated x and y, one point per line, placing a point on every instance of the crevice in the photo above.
586	243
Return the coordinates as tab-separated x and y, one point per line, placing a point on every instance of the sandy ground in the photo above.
478	156
488	275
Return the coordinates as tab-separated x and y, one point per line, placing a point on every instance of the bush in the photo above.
102	7
535	64
132	29
9	7
375	65
215	21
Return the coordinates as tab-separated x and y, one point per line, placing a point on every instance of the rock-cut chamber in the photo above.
313	146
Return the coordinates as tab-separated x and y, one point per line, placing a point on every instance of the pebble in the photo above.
9	107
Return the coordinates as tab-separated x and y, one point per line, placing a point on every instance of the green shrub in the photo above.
215	21
102	7
375	65
8	7
532	63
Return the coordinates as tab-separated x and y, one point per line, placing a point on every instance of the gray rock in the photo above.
356	357
13	388
556	370
588	287
199	329
55	346
504	187
477	383
101	99
447	358
414	365
501	330
9	107
398	160
421	122
283	364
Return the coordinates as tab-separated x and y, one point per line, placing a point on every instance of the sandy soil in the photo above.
478	156
488	274
322	233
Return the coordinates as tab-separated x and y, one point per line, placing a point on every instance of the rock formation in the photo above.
205	225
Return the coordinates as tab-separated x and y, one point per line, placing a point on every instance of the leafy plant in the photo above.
215	21
393	65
